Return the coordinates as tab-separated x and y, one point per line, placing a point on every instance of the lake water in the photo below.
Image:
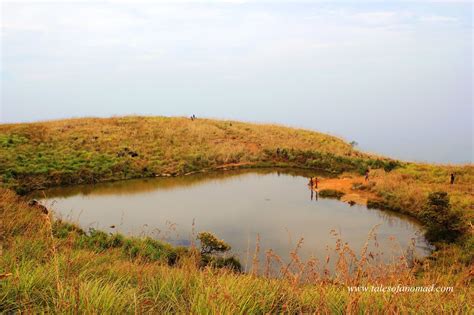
236	206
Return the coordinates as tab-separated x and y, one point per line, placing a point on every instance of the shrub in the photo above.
99	241
362	169
149	249
377	204
390	166
331	193
230	263
442	222
63	229
210	244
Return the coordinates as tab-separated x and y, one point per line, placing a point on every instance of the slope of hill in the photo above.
43	154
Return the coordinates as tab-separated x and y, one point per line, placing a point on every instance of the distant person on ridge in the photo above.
452	178
367	175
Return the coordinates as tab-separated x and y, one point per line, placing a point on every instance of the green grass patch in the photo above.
331	193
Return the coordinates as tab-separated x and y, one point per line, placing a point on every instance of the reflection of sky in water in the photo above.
236	206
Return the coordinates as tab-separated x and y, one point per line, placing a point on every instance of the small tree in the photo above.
443	224
210	244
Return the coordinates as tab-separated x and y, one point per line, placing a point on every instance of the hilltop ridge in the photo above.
88	150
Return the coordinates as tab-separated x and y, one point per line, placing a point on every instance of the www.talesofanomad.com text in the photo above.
400	289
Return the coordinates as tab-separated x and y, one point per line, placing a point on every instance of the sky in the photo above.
395	76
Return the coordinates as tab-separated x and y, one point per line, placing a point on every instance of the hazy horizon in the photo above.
394	76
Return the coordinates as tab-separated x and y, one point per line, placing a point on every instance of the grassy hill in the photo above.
55	267
88	150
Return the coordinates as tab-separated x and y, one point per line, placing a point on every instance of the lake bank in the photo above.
275	205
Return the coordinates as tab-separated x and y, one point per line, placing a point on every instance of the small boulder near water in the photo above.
35	203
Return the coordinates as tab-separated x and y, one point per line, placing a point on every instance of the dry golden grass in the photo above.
51	275
409	186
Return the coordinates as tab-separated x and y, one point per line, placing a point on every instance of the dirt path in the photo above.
344	184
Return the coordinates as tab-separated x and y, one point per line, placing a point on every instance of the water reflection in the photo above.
134	186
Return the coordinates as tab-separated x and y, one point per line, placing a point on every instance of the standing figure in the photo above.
310	184
316	183
452	178
367	175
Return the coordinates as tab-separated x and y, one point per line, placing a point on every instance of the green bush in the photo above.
331	193
377	204
390	166
149	249
210	244
442	222
63	229
100	241
230	263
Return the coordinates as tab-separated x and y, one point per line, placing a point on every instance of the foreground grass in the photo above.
57	268
51	274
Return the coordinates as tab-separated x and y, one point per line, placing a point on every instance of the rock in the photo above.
35	203
126	151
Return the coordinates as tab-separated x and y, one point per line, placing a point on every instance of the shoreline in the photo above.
345	184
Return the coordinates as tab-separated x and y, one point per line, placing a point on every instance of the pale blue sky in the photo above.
396	76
